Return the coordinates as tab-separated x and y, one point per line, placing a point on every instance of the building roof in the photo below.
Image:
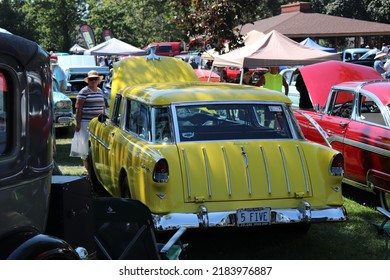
297	21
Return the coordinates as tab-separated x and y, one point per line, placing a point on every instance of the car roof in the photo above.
172	92
22	49
380	88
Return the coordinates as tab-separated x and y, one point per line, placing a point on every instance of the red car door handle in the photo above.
343	124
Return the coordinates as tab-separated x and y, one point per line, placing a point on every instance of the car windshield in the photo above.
232	121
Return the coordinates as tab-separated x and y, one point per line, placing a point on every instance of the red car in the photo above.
353	111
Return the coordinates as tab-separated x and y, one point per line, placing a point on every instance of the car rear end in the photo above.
243	170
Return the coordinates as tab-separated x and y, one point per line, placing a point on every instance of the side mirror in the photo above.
102	118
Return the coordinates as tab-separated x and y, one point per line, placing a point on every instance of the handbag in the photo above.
78	148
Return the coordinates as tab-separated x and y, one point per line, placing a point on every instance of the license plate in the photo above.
253	217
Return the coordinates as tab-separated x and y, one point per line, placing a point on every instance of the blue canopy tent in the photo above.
308	42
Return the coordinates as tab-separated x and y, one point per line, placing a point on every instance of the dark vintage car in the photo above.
353	110
26	152
204	155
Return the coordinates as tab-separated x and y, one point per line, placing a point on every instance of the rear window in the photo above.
232	121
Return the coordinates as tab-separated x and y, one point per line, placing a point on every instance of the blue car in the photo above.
62	104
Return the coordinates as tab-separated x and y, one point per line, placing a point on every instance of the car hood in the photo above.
59	96
320	77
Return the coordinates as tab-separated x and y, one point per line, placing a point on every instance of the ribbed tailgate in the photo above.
243	170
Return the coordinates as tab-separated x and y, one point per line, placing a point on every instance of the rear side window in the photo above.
5	83
165	48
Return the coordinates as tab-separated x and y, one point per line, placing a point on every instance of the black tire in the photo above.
125	191
384	199
96	185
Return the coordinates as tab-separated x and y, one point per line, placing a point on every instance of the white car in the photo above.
290	78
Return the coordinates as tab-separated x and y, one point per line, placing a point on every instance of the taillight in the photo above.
161	171
337	165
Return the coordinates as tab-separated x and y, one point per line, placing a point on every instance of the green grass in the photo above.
355	239
68	165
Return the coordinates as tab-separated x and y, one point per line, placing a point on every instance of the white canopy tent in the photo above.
77	49
114	47
252	36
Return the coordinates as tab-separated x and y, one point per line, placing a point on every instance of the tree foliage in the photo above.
54	21
137	22
219	21
54	24
13	20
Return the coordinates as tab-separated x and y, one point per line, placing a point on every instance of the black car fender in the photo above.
32	245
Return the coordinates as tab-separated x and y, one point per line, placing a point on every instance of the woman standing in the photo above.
89	104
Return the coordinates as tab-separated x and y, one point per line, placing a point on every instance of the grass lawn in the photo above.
355	239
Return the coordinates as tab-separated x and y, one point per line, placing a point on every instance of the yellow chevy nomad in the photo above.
210	154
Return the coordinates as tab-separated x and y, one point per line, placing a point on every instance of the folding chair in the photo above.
384	228
124	230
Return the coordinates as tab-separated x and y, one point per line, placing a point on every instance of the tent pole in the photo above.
211	72
241	75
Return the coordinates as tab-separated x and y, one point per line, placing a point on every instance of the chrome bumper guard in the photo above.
203	219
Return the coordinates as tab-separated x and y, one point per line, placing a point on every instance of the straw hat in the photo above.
379	54
93	74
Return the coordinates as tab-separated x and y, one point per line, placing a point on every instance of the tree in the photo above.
379	10
219	21
135	22
55	22
13	20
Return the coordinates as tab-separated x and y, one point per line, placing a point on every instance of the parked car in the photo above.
366	59
353	53
26	154
63	112
209	154
166	48
232	74
76	68
290	76
353	109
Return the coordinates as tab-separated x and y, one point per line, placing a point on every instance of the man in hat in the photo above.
379	62
89	104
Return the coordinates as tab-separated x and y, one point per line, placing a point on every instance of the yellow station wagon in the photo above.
210	154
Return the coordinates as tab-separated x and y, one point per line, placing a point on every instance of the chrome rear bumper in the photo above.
205	219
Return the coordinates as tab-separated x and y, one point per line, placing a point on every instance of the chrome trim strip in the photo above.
360	145
303	214
303	168
266	169
248	178
187	175
206	163
229	184
285	169
358	185
99	141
